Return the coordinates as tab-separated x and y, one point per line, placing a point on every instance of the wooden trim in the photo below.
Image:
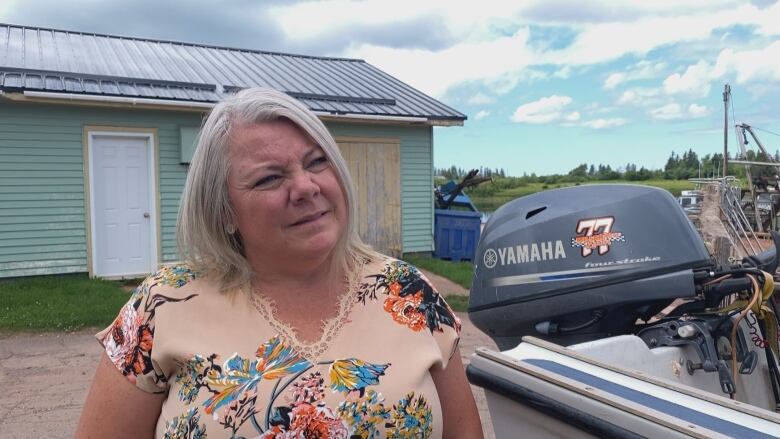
368	121
87	198
151	134
86	103
347	139
183	106
157	194
373	121
120	129
445	123
432	200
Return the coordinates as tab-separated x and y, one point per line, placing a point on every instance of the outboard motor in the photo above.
581	263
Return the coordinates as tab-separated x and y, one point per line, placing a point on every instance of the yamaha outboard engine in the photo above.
581	263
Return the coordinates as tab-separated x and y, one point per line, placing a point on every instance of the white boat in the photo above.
620	328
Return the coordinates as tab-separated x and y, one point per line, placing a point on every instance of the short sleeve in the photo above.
129	340
442	321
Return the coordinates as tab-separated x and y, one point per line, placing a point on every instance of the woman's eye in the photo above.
318	163
267	181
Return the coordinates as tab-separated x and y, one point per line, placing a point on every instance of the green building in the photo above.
96	133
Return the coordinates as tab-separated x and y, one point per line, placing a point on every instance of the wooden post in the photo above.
726	95
722	250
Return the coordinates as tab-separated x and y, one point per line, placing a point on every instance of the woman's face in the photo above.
285	194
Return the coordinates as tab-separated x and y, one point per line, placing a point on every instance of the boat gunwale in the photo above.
618	402
636	374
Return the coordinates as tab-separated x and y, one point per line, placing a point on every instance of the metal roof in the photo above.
60	61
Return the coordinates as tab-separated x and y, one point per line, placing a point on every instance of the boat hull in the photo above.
543	390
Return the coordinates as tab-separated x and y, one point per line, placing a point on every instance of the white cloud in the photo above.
614	79
750	65
694	82
697	110
312	19
641	70
480	99
639	96
667	112
768	19
611	40
504	83
7	6
675	111
305	20
545	110
598	124
488	62
481	115
563	73
478	50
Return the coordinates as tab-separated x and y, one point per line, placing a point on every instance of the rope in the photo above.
766	131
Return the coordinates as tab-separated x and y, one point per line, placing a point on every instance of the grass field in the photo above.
458	303
489	204
59	303
458	272
71	302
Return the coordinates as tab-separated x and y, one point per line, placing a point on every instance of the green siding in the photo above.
416	177
42	205
42	210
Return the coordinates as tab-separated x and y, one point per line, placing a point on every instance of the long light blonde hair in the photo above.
204	239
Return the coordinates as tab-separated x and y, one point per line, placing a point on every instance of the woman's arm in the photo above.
115	408
461	418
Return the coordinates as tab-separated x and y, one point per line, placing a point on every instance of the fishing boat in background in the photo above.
613	319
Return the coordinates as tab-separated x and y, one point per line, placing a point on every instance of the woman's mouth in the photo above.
309	218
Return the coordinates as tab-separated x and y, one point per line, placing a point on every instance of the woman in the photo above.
282	323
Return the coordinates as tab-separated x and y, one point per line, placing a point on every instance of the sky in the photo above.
546	84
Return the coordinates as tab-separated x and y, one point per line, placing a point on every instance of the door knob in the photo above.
146	214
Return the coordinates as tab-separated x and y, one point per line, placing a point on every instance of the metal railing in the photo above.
737	224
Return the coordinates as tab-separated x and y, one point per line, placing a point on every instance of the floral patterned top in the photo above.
230	370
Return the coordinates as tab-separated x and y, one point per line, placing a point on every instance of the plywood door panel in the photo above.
375	167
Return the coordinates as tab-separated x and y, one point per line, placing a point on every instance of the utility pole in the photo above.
726	96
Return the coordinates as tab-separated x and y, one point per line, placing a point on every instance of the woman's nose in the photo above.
303	187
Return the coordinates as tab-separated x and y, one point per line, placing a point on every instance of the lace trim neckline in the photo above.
330	328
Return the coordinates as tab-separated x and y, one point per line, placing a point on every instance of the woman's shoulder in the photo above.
379	261
174	280
393	267
407	295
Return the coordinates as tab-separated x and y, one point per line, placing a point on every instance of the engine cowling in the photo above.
580	263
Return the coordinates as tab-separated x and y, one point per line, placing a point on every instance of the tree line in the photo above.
456	173
677	167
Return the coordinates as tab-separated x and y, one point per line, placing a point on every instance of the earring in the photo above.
231	229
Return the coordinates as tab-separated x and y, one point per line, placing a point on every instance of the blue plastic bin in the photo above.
456	234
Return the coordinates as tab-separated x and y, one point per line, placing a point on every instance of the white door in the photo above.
123	241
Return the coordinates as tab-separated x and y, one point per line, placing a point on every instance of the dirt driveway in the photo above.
45	377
